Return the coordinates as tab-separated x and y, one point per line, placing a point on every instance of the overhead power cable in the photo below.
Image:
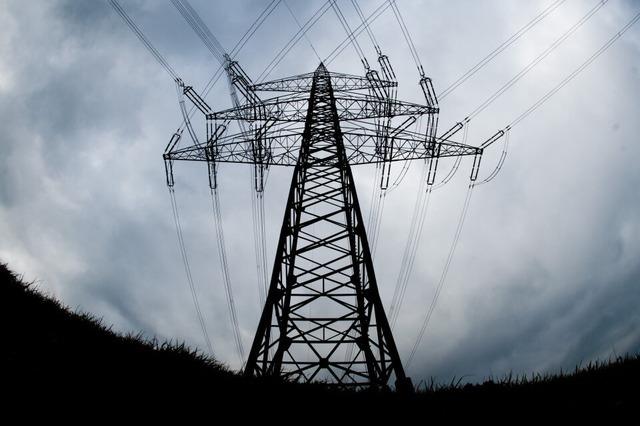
452	172
411	245
174	207
492	175
415	234
145	41
257	204
575	72
162	61
552	92
293	41
407	37
378	198
537	59
300	28
236	49
254	27
356	31
193	19
224	266
265	269
515	37
443	276
200	28
347	29
259	243
367	27
211	42
187	269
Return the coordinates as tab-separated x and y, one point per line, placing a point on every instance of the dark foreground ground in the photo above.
52	355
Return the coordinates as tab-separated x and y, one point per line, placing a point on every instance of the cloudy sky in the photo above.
546	273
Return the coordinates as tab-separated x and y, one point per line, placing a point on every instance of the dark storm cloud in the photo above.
562	333
546	272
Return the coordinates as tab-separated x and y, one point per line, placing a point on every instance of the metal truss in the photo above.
271	130
323	318
302	83
360	146
293	108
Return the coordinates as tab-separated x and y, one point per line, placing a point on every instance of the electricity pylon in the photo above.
323	318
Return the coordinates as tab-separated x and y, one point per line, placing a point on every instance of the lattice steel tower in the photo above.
323	263
323	318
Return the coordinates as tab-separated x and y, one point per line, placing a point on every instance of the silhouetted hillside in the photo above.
45	343
47	346
46	340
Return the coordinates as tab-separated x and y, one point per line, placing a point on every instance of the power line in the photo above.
257	23
294	40
577	71
499	166
409	254
174	207
343	45
407	36
224	266
443	276
200	28
515	37
415	231
265	269
210	41
259	243
254	27
537	59
553	91
145	41
214	46
187	269
347	29
376	208
300	28
415	234
366	26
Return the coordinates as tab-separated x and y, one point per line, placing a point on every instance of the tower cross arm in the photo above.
359	144
350	106
302	83
282	149
361	147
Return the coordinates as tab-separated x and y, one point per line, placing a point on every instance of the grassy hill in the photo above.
47	346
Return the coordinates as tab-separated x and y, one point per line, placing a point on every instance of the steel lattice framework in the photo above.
327	270
323	318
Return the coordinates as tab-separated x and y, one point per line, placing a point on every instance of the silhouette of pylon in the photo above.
323	318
